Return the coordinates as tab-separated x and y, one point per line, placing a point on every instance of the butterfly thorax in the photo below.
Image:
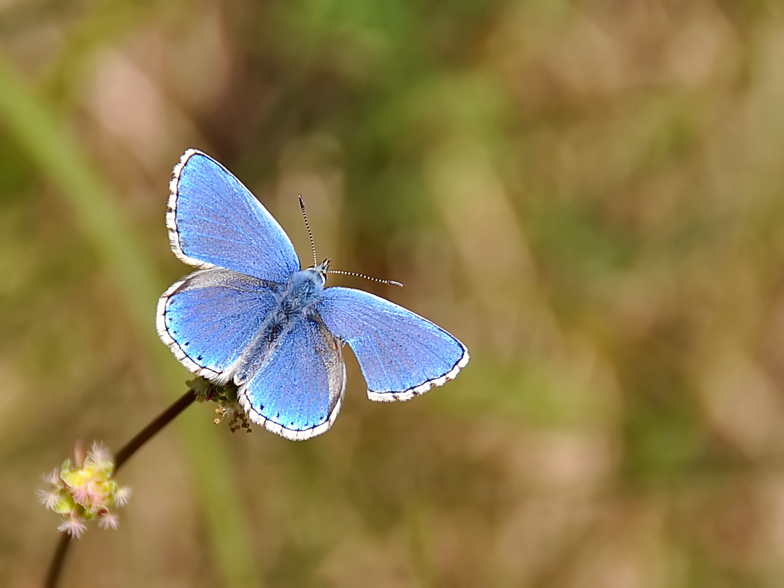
302	291
296	302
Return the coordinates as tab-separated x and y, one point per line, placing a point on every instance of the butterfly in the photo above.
250	316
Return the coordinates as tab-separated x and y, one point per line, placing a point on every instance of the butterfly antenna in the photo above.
388	282
310	233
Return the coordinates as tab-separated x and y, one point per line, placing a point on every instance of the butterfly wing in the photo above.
208	318
214	220
401	354
297	389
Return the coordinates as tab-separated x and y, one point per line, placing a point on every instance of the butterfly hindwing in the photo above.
214	220
208	318
297	387
400	353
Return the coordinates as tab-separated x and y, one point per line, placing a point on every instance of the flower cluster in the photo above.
85	491
228	409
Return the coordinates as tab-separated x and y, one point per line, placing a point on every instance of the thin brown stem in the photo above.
123	455
53	575
150	430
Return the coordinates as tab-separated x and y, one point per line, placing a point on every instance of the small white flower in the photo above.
49	498
108	521
122	495
52	477
100	455
82	494
73	525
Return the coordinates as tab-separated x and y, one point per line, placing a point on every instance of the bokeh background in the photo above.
590	194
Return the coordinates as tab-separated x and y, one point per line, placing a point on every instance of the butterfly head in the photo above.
322	269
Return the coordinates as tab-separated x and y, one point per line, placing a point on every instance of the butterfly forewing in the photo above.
214	220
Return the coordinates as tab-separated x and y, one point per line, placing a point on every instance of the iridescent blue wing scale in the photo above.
213	220
208	317
298	387
400	353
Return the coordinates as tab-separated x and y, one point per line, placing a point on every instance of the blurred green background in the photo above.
589	194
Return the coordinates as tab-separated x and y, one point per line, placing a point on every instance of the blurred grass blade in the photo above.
60	157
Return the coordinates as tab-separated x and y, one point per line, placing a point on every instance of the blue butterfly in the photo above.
250	316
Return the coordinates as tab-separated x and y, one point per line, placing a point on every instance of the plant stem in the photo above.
53	575
123	455
150	430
